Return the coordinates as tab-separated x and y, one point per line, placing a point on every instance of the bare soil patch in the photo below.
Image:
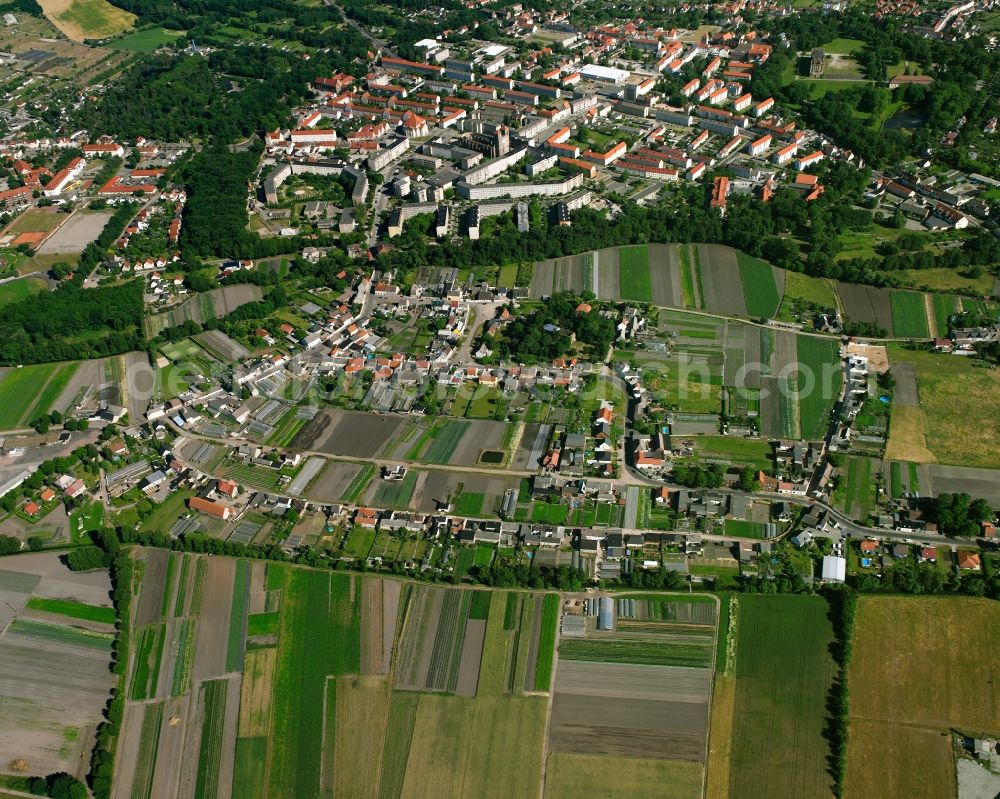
721	281
472	655
664	272
348	433
153	587
213	626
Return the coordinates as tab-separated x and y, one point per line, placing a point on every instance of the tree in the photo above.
35	543
85	559
65	786
748	480
960	515
9	545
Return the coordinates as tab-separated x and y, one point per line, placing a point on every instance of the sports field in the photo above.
900	707
783	673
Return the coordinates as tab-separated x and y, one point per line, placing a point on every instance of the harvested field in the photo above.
978	483
571	775
333	482
150	604
202	307
783	673
899	707
75	233
362	711
720	279
960	410
87	19
880	758
347	433
664	271
465	747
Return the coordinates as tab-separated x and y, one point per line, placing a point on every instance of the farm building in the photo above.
834	569
605	613
209	507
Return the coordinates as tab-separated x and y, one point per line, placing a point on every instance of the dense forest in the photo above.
72	323
177	97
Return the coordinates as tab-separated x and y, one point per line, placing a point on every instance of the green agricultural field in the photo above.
694	653
92	19
547	642
210	754
759	289
359	484
72	609
146	41
396	493
750	451
469	504
820	358
445	441
783	673
909	315
20	390
816	290
633	274
944	306
859	491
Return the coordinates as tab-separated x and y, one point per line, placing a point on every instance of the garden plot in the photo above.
54	658
778	403
720	279
75	233
333	482
556	275
867	304
664	271
482	435
202	307
348	433
222	347
608	274
531	447
742	351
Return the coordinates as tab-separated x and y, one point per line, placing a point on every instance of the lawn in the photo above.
909	315
633	274
820	358
508	276
901	709
959	411
19	391
487	747
145	41
571	775
759	289
358	542
168	511
859	493
783	673
19	289
740	528
85	519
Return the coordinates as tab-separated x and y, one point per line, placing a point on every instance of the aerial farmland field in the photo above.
783	673
283	671
900	709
